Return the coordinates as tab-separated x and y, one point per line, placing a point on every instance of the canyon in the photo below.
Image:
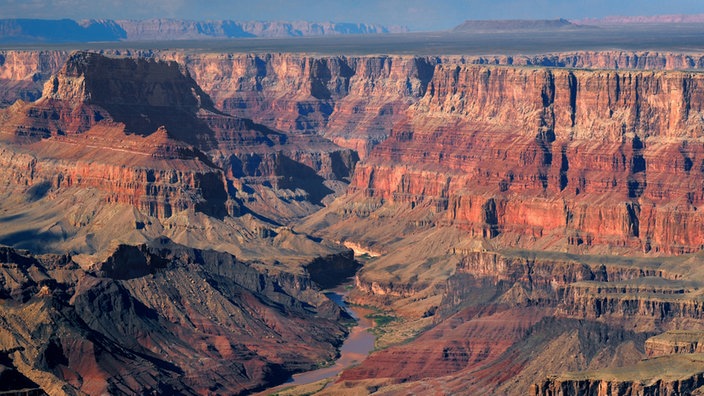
158	318
529	223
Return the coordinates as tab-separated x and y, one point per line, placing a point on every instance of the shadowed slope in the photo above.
160	318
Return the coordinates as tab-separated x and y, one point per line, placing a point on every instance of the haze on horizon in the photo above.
417	15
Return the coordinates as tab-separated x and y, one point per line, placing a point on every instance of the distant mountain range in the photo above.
653	19
514	25
68	30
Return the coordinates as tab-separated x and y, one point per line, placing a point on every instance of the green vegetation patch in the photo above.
382	320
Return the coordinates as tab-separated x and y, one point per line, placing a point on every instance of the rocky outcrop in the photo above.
156	192
159	318
135	137
682	376
675	341
333	270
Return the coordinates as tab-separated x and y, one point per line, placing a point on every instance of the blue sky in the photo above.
416	14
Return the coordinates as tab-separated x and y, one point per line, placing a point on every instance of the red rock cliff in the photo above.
593	157
576	157
352	100
150	116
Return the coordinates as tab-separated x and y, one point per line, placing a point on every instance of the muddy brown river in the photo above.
356	347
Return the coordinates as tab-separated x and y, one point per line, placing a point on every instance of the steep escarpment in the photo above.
545	153
135	137
357	101
599	105
23	73
141	133
159	318
352	100
669	375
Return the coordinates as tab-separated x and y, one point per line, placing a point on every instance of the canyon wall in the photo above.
155	192
577	286
602	157
353	99
688	380
143	132
23	73
498	132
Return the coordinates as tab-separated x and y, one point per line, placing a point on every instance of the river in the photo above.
356	347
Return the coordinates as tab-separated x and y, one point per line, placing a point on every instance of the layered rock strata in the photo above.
460	162
140	145
515	310
533	158
325	94
145	134
536	162
675	341
671	375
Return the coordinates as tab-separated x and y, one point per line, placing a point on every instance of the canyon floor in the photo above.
519	213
